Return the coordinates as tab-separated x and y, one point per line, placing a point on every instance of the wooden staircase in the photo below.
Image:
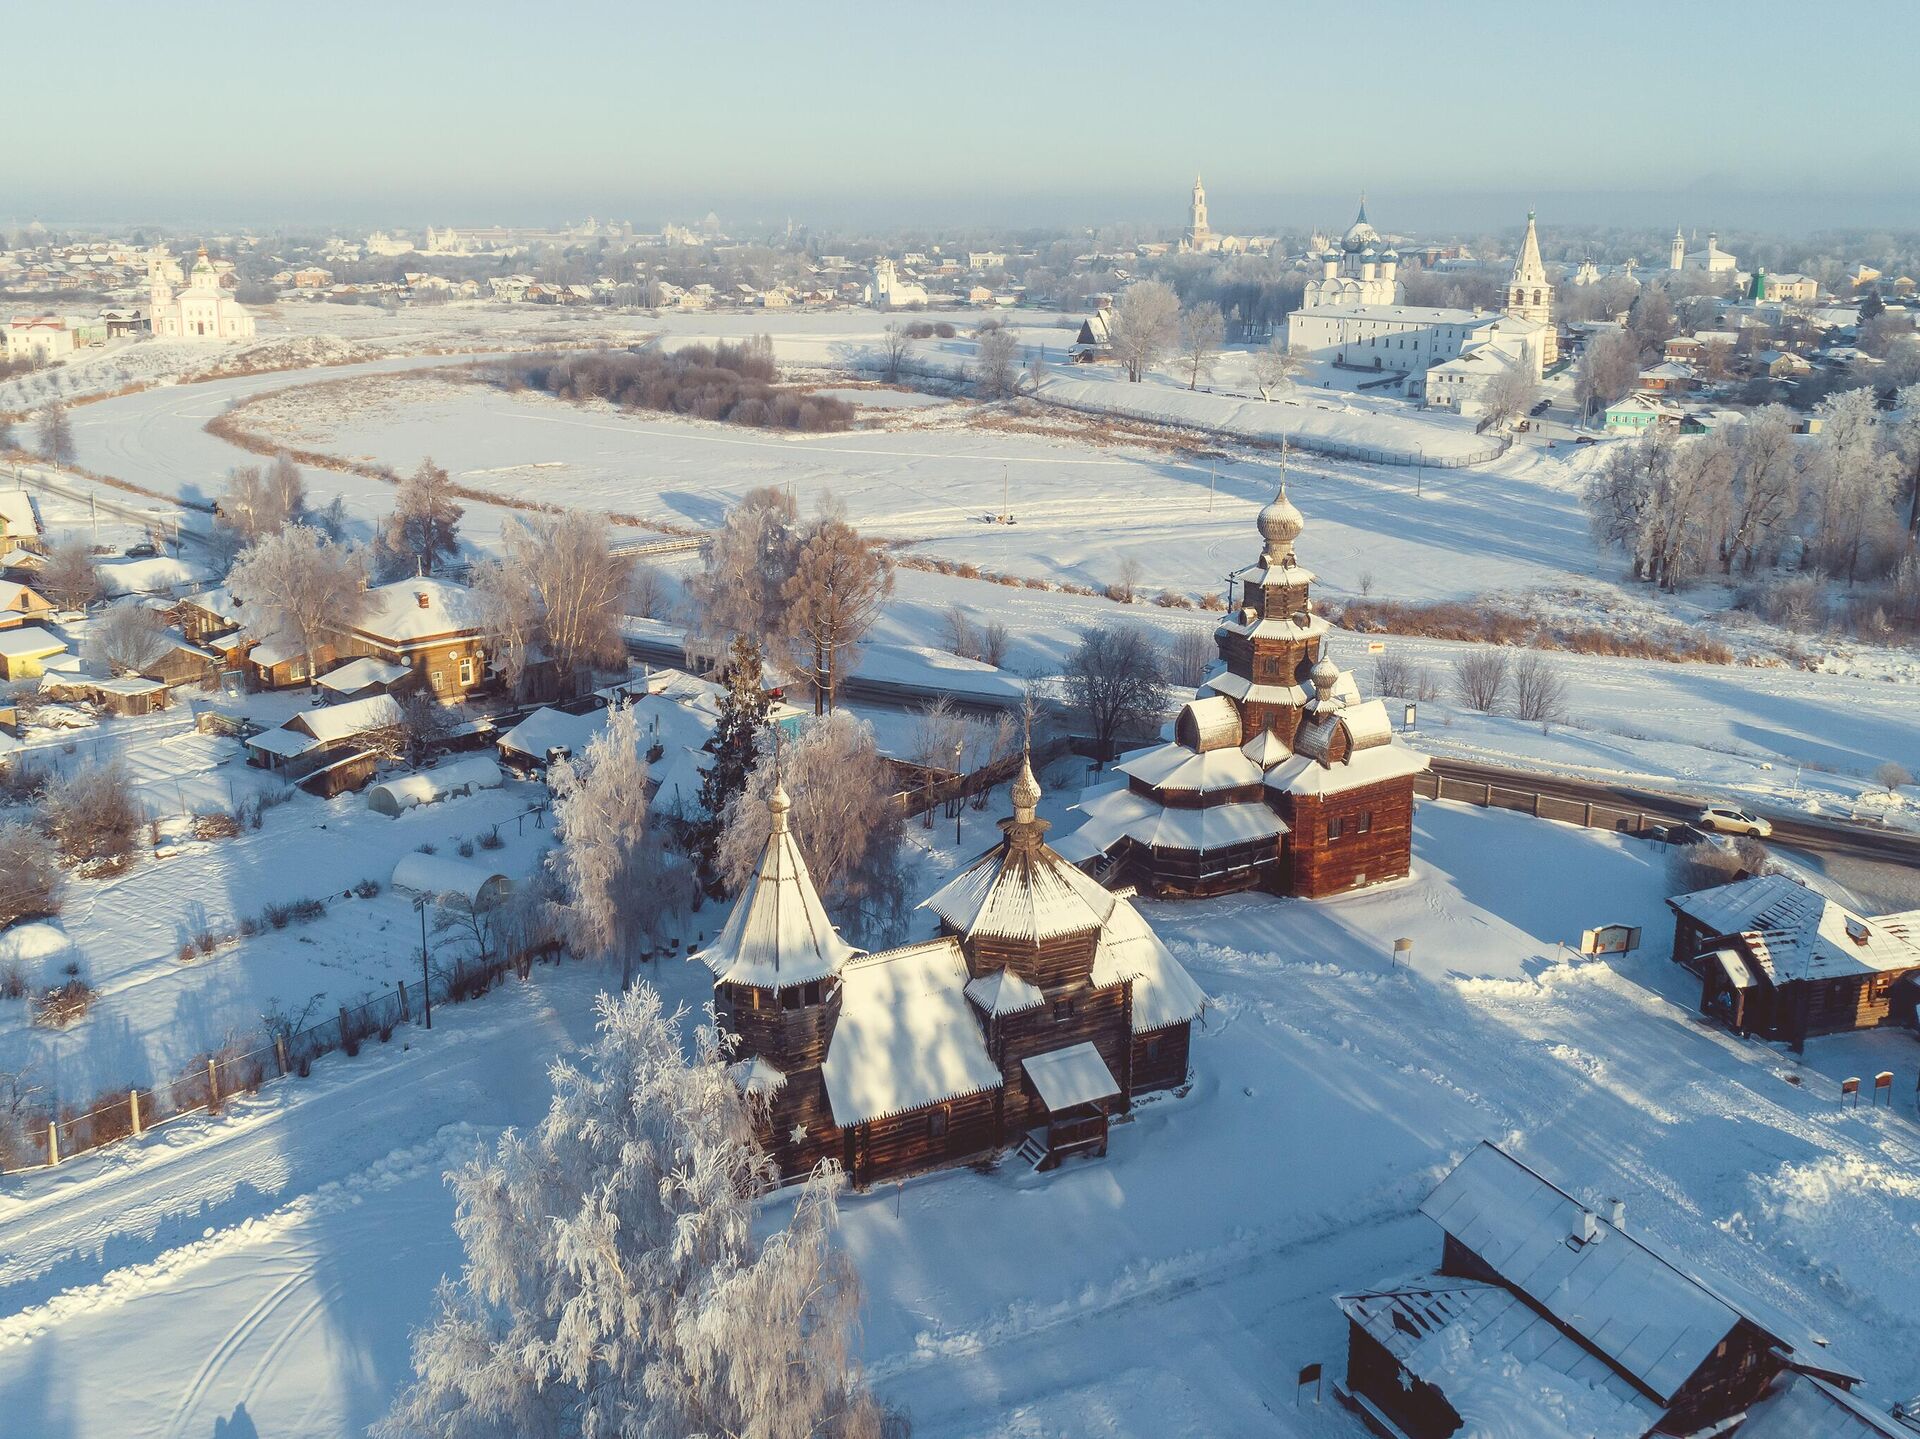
1033	1149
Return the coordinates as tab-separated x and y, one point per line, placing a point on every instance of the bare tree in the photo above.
424	526
833	598
939	735
32	867
1765	490
1275	367
1480	679
744	565
1539	689
425	723
649	592
55	435
995	364
841	789
127	638
299	588
556	587
68	576
257	503
1116	682
895	344
1606	371
1145	326
1508	396
1892	775
1202	329
1190	657
92	816
1123	589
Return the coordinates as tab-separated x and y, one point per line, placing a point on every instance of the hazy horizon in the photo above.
1452	121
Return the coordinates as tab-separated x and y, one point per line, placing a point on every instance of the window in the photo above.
297	667
1152	1049
466	672
1335	828
1364	824
811	994
937	1123
433	679
1062	1010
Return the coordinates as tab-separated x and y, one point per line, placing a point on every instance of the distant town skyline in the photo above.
1005	115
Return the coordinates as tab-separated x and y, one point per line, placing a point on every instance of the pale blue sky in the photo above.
1450	114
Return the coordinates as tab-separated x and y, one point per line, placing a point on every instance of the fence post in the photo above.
213	1086
133	1106
280	1051
1588	821
53	1142
344	1030
1536	804
406	1016
1487	803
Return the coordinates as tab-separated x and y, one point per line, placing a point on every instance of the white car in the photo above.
1728	820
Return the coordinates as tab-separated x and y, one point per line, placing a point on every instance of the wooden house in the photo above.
1779	960
208	615
21	604
432	626
1263	784
345	741
184	663
19	526
122	695
24	652
1543	1308
1045	1007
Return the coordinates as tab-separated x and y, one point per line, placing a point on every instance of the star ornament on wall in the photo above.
799	1133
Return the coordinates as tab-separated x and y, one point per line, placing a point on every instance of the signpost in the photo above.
1883	1084
1610	939
1403	953
1850	1089
1407	721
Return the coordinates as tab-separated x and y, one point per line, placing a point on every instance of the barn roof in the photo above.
778	934
1793	932
1651	1319
905	1038
1503	1367
1806	1407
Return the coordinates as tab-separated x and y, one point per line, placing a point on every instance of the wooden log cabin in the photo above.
1776	959
1544	1312
1262	784
1045	1006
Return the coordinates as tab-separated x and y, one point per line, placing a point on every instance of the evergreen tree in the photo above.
1871	307
736	749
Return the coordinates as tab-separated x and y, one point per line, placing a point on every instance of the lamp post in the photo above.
959	803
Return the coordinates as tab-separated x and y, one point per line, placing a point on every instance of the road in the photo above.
1817	836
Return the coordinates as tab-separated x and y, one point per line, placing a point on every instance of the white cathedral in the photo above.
205	310
1363	270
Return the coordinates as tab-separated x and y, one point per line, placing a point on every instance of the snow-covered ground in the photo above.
264	1267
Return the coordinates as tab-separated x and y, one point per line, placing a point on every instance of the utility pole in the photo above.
1006	494
1212	475
93	510
426	984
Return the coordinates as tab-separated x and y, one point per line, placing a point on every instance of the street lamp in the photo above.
959	802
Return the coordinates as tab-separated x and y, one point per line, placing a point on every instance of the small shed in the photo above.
462	777
432	877
24	652
357	679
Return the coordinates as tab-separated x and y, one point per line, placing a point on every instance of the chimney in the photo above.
1586	1227
421	596
1617	1214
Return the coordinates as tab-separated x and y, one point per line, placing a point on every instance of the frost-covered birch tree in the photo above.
297	586
613	1287
743	565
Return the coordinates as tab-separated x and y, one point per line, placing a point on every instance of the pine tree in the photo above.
736	748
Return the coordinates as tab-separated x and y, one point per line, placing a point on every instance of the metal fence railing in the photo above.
1593	815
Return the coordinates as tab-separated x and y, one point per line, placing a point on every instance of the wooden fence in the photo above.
1488	795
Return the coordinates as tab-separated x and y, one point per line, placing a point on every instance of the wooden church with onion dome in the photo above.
1044	1007
1277	774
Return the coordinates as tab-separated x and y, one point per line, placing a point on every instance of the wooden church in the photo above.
1045	1006
1278	775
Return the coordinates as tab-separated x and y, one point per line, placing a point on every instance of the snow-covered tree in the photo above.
1145	326
32	868
1508	396
298	587
840	787
739	736
1116	681
996	374
558	588
621	884
127	637
55	435
1275	367
68	576
1856	498
1606	371
1202	329
257	503
424	526
1765	489
91	814
744	564
613	1288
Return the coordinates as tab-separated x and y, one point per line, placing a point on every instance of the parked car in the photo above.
142	551
1725	819
1583	440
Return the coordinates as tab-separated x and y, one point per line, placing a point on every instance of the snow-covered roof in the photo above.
1806	1407
756	1076
778	934
1174	766
1266	749
285	743
549	729
1241	688
432	874
29	642
1114	811
1066	1078
395	612
1504	1367
1304	775
217	601
1020	891
17	520
1004	992
1647	1316
1793	932
269	653
331	723
474	772
905	1038
1315	627
1163	992
356	675
1214	722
